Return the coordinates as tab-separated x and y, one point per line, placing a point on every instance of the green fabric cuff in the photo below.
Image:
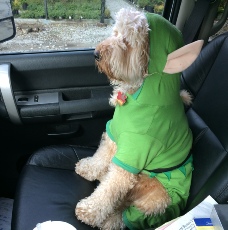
125	166
126	221
108	131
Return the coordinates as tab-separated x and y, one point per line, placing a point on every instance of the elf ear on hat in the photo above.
182	58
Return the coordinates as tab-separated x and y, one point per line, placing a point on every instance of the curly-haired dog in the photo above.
143	161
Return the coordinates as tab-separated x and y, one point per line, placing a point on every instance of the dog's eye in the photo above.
97	55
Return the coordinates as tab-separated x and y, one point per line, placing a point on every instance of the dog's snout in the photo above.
97	55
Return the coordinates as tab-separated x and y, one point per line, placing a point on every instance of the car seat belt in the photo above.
194	21
163	170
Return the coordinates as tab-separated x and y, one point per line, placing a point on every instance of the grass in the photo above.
64	9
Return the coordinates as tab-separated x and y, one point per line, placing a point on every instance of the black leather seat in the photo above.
49	188
207	80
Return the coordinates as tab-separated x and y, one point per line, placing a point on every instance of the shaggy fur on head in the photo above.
123	57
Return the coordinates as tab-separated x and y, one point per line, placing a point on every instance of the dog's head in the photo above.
141	45
124	55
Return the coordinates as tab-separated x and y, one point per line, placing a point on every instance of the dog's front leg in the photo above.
92	168
112	189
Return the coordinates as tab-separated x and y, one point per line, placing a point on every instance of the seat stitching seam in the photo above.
75	152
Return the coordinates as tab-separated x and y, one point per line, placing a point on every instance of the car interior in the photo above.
54	108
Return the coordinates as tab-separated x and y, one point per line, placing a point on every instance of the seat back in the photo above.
207	80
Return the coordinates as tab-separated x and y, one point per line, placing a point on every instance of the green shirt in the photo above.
151	133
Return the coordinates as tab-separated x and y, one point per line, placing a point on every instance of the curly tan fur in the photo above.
186	97
102	202
149	196
124	56
113	222
105	152
119	61
118	190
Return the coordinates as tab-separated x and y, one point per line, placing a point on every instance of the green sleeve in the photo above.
135	151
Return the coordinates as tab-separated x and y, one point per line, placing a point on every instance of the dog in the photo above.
143	162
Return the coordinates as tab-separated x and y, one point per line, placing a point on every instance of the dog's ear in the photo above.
182	58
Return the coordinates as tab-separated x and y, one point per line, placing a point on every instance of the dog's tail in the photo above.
186	97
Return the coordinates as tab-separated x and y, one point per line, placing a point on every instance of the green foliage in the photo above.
158	2
158	9
158	5
221	8
223	3
143	3
33	11
88	9
107	13
15	5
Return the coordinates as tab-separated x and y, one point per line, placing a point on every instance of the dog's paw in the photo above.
84	169
89	213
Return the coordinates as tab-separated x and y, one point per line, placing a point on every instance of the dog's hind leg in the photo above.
114	222
109	193
149	196
95	167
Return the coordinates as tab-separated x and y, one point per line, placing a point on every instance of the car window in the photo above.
6	21
50	25
221	11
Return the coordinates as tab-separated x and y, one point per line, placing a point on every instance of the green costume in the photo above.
151	130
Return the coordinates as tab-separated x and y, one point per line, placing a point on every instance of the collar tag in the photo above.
121	98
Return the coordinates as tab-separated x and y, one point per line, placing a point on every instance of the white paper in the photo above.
54	225
185	222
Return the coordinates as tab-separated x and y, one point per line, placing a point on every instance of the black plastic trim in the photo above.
8	94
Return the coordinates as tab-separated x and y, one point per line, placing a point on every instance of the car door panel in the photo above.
60	98
58	93
37	71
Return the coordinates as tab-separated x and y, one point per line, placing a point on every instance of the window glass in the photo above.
220	12
49	25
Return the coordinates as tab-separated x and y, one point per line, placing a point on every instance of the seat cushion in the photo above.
207	80
49	188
